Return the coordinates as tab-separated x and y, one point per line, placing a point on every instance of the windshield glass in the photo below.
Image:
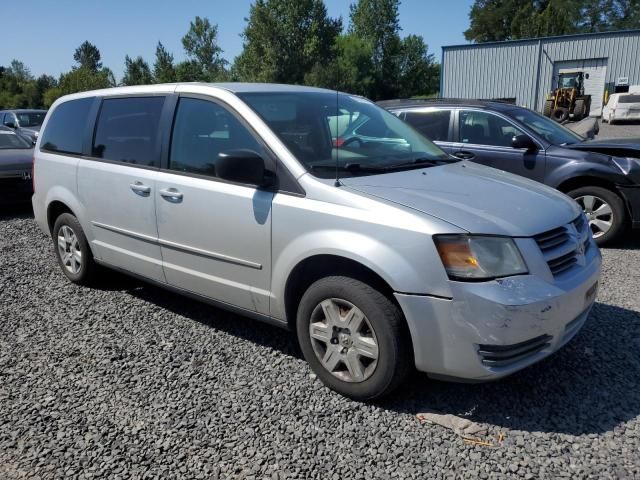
30	119
568	82
326	131
549	129
11	140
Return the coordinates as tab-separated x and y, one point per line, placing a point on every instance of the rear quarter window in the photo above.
65	129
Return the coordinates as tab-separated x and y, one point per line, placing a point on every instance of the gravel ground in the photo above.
129	381
619	130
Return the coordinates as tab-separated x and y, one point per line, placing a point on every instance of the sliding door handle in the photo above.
171	195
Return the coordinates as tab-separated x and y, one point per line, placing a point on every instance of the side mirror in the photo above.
523	141
10	124
243	166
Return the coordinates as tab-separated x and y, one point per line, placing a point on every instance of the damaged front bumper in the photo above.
491	329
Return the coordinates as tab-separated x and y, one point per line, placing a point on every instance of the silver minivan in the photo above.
320	212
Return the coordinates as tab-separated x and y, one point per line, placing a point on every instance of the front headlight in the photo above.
476	257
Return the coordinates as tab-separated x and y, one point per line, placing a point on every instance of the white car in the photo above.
622	106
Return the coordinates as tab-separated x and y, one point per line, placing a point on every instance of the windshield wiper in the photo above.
349	167
419	163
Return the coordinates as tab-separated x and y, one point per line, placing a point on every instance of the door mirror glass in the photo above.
10	124
243	166
523	141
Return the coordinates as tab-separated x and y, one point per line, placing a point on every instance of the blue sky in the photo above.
46	32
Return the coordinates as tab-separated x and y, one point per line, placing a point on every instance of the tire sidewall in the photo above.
66	219
388	343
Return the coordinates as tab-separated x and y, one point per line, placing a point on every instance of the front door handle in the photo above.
464	155
140	189
171	195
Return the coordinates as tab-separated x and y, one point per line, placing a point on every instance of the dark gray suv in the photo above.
26	122
603	177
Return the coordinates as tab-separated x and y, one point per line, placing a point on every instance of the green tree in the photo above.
163	69
136	72
352	70
88	56
285	39
79	80
201	46
377	21
419	72
492	20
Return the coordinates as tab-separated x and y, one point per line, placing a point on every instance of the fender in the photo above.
590	165
391	264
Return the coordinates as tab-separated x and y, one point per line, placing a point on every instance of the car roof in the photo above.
233	87
445	102
23	110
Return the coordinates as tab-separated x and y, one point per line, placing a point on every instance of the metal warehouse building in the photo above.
524	71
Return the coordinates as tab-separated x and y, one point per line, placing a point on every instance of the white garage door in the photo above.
594	85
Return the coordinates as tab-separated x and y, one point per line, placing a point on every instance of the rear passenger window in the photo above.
65	129
127	130
202	130
433	124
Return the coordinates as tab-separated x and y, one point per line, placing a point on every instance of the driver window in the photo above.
202	130
482	128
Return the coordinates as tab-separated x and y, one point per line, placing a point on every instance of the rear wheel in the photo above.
604	210
548	108
560	114
353	337
72	250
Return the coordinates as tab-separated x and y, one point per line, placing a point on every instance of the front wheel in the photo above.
353	337
605	212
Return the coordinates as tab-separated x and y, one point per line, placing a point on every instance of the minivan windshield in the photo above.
549	129
31	119
332	131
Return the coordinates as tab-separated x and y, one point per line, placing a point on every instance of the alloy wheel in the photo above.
598	212
69	249
343	340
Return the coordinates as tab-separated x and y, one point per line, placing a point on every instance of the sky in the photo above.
45	33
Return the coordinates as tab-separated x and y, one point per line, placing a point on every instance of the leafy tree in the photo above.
285	39
201	46
163	69
79	80
419	72
352	70
137	72
88	56
492	20
20	71
377	22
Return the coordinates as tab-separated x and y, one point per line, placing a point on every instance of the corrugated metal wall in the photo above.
510	69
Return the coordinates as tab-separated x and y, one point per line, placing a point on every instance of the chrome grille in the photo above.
563	247
505	355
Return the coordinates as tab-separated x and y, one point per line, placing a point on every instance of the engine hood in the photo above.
15	159
473	197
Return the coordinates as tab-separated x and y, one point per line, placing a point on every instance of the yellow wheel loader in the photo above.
568	99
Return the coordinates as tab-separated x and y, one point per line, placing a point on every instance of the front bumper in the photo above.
631	196
15	186
525	316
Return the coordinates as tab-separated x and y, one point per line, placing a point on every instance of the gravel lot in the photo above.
619	130
129	381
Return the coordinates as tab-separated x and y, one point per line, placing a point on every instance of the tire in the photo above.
548	108
601	196
560	114
68	236
382	326
579	110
